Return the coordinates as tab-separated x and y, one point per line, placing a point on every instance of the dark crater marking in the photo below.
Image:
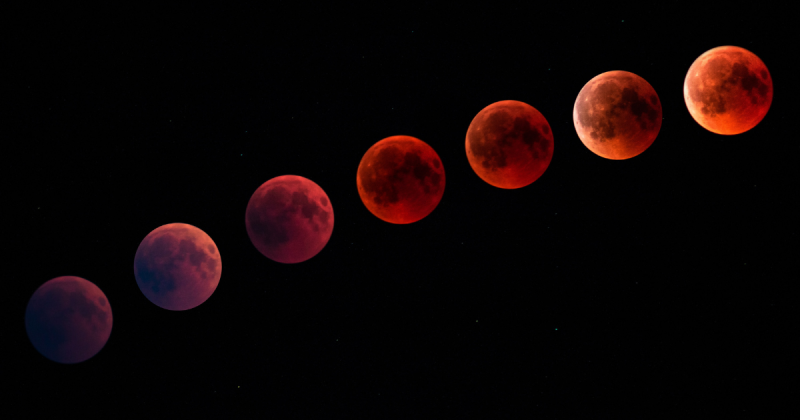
615	102
276	210
715	101
161	256
386	189
507	130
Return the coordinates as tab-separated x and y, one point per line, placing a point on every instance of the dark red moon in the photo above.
68	319
289	219
177	266
400	179
617	115
509	144
728	90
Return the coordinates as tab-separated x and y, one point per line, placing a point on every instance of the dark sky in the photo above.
634	288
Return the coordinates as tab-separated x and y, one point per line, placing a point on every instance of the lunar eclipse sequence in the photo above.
400	179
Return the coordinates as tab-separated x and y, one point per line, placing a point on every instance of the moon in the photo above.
289	219
400	179
177	266
509	144
68	319
617	115
728	90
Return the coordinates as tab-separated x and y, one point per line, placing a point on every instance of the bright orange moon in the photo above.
728	90
617	115
400	179
509	144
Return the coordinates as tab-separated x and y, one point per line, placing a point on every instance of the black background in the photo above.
630	289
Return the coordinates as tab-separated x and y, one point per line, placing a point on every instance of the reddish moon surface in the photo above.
728	90
509	144
617	115
177	266
68	319
400	179
289	219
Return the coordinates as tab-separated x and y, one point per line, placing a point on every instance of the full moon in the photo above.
68	319
289	219
400	179
177	266
728	90
617	115
509	144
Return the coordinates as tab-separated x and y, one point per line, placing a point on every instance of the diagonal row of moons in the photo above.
289	219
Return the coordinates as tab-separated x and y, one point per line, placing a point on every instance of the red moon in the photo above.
728	90
289	219
509	144
617	115
177	266
400	179
68	319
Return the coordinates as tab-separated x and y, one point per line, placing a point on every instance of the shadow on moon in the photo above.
289	219
617	115
400	179
177	266
68	319
728	90
509	144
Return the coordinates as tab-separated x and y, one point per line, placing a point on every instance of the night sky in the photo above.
658	285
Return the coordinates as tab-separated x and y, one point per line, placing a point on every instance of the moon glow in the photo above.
400	179
617	115
177	266
509	144
728	90
68	319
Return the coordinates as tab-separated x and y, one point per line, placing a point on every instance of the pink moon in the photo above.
289	219
177	266
68	319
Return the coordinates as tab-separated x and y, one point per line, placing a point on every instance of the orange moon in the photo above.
400	179
728	90
509	144
617	115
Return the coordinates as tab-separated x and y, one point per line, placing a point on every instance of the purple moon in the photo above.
177	266
68	319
